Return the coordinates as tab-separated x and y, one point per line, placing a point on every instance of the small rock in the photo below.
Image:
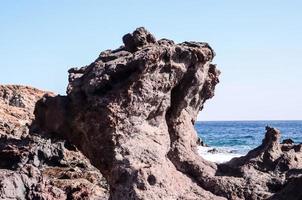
287	141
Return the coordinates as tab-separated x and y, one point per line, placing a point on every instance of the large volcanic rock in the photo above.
131	113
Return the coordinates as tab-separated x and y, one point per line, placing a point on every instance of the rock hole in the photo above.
275	186
151	179
64	177
9	160
123	178
69	146
81	165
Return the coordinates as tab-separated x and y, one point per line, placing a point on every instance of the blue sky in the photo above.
258	46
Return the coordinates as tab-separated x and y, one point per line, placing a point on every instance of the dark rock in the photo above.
138	39
287	141
200	142
213	150
290	191
298	148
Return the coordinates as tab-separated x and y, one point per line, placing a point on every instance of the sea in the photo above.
229	139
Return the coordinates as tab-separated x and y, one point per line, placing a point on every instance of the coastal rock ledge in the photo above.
125	131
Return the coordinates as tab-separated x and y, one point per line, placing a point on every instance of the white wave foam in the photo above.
220	156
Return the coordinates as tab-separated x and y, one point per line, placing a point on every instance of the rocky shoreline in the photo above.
125	130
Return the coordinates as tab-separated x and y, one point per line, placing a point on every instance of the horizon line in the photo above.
248	120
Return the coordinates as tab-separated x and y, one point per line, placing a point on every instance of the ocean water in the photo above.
235	138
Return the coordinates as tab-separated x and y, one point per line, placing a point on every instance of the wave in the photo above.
218	154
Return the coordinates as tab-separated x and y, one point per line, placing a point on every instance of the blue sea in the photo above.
235	138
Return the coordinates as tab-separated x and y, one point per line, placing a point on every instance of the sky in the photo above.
258	46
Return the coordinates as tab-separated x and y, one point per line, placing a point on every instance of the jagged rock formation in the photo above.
39	167
132	113
123	111
274	170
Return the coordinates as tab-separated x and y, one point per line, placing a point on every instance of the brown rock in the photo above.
34	166
127	109
17	104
